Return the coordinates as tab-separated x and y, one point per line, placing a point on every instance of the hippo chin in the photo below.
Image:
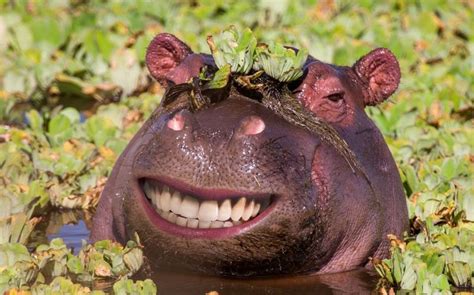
234	189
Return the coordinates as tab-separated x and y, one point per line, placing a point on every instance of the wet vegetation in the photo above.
74	90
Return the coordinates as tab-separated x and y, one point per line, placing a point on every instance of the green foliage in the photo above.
234	48
105	260
59	285
240	51
436	258
283	64
127	286
220	78
74	90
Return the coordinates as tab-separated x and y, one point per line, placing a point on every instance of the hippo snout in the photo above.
222	167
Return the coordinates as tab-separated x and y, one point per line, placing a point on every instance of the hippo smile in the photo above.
195	208
235	189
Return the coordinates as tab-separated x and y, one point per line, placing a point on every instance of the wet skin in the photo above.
234	189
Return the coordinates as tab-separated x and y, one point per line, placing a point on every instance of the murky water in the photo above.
73	227
354	282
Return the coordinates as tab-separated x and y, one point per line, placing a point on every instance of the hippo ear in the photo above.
164	54
380	71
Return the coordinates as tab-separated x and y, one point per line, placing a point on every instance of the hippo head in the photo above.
235	189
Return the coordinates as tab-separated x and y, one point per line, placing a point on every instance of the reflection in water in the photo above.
354	282
70	225
73	235
73	227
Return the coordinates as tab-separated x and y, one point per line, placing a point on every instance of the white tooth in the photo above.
147	188
248	211
225	210
165	199
208	211
181	221
150	192
236	223
256	208
155	195
204	224
156	200
228	224
193	223
238	210
217	224
175	202
172	217
162	214
189	207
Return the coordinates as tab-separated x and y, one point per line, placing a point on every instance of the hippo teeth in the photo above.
187	211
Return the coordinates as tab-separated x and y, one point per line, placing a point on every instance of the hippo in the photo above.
233	189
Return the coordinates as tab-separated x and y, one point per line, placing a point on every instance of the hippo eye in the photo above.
336	97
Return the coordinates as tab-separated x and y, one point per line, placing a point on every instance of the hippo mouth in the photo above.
186	211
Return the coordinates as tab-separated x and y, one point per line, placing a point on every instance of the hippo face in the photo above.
235	189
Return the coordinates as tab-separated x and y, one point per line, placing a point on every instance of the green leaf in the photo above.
100	130
22	37
59	124
279	62
411	178
75	265
46	29
460	273
397	266
126	286
125	70
441	282
449	168
234	48
220	78
35	120
468	206
409	278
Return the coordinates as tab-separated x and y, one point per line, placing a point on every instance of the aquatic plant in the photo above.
234	48
279	62
239	50
72	96
104	260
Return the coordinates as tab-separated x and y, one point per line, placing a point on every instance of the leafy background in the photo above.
74	89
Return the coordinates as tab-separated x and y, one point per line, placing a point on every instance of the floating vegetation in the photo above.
234	48
103	260
72	96
279	62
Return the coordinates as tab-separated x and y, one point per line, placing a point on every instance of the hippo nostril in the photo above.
252	125
176	123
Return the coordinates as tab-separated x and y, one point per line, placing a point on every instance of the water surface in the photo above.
74	227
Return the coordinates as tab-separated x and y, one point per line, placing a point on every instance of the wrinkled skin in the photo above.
323	217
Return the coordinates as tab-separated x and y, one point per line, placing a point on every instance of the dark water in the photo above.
354	282
73	227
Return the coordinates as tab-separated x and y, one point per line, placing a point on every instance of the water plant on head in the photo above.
279	62
241	52
234	48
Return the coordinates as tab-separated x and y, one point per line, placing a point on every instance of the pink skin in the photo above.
252	125
176	123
